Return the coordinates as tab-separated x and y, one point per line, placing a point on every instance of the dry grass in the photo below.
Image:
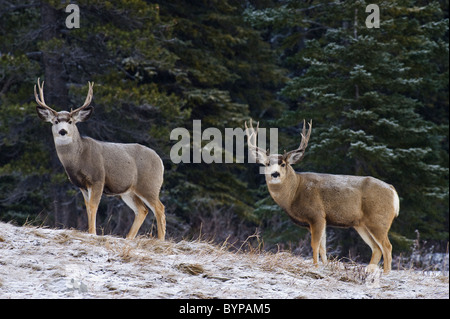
205	253
146	267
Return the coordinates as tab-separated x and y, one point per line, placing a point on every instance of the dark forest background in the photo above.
378	98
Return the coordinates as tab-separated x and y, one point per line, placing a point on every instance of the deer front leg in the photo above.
323	246
92	198
317	236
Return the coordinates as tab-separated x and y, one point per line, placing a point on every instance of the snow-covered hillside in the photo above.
48	263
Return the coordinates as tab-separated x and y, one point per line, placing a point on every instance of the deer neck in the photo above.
70	154
284	193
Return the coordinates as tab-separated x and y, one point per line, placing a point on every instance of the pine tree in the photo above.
156	67
229	73
371	93
119	47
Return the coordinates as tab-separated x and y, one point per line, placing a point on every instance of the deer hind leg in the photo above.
140	212
318	241
92	197
381	238
159	211
376	251
384	247
387	255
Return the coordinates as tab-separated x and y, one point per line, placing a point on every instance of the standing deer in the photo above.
316	200
131	171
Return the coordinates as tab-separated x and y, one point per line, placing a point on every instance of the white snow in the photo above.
48	263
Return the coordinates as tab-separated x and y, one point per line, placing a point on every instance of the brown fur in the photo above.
364	203
131	171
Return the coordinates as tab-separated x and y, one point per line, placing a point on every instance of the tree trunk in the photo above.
56	95
55	76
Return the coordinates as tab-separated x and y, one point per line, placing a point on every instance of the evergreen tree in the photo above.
372	94
156	67
230	72
378	99
119	47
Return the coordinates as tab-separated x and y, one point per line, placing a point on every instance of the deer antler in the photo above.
88	98
305	136
40	99
251	140
303	143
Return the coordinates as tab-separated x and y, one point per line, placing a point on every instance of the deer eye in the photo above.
56	122
283	165
70	122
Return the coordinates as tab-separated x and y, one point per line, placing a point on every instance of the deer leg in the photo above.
386	247
317	233
138	220
376	251
158	211
92	197
323	247
380	237
140	212
387	255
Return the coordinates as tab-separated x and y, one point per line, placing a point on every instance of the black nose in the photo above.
62	132
275	175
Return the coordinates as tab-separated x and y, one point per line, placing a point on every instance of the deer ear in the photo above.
294	156
83	114
45	114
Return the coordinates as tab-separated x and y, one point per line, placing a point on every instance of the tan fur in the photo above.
131	171
317	200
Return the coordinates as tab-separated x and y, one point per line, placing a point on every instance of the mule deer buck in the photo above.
131	171
316	200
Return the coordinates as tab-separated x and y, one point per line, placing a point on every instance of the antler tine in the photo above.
40	99
251	133
251	140
303	143
88	98
305	136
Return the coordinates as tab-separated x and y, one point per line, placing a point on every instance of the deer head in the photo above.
63	123
277	166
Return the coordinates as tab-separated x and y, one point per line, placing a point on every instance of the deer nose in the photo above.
275	174
62	132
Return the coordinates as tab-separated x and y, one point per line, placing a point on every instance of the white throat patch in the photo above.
63	140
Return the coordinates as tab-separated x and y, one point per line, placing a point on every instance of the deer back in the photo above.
343	200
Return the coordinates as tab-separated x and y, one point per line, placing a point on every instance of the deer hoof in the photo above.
372	268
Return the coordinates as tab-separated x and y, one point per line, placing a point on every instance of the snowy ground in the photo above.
48	263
